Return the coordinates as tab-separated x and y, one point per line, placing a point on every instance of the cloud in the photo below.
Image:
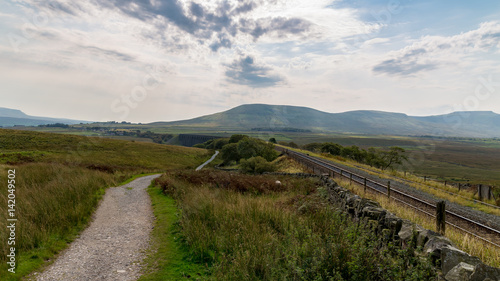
244	71
402	68
214	24
432	52
108	54
278	26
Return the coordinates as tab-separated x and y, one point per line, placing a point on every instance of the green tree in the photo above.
268	152
395	156
219	143
237	138
248	148
332	148
315	146
230	153
272	140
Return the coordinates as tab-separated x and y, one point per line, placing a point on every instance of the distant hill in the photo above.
282	117
13	117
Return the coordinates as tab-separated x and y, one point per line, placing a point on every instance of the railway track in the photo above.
458	221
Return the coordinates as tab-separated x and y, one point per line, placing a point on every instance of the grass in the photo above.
248	228
488	254
52	201
288	165
117	156
59	182
169	259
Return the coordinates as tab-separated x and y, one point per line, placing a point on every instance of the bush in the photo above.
230	153
257	165
247	148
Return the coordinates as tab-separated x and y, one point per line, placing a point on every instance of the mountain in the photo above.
12	117
283	117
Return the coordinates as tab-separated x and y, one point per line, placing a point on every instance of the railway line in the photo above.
455	218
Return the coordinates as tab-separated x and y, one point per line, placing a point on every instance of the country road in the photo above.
208	161
111	248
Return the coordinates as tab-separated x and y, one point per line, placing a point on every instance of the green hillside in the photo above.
278	117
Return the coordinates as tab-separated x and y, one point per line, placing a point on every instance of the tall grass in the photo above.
487	253
281	234
59	181
52	200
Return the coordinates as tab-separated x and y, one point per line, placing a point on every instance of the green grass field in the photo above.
60	180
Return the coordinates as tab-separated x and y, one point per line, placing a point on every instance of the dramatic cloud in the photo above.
245	71
191	57
432	52
218	23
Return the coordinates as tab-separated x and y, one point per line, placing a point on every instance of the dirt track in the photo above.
113	244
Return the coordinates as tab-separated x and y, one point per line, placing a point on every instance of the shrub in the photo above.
230	153
247	148
257	165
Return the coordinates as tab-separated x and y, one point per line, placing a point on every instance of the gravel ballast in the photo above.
113	245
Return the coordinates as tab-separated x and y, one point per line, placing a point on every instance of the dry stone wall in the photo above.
455	265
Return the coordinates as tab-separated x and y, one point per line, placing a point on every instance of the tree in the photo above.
230	153
315	146
248	148
237	138
272	140
268	152
219	143
395	156
332	148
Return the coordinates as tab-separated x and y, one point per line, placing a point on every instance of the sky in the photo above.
165	60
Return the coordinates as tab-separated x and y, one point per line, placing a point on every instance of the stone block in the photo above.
451	257
461	272
482	272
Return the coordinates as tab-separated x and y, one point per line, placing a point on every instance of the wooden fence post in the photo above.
459	186
364	186
350	178
425	178
389	189
441	217
480	192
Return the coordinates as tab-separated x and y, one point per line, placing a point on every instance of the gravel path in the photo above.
208	161
113	244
